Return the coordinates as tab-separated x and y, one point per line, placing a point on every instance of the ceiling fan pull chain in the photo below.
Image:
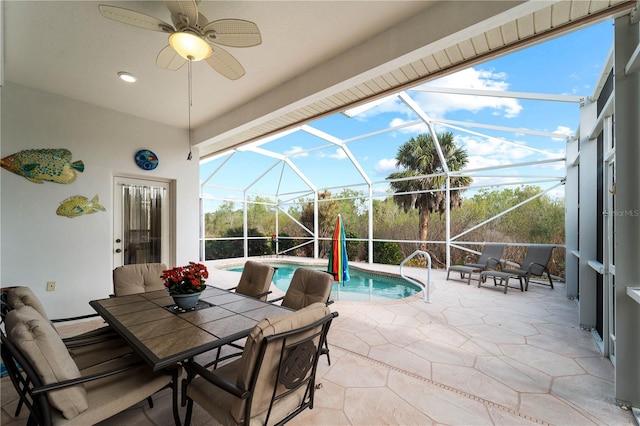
190	104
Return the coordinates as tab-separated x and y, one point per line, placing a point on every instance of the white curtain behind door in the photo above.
142	223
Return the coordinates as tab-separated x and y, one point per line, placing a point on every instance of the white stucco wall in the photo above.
40	246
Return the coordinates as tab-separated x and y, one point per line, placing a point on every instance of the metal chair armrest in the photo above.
80	341
544	267
277	299
72	382
75	318
216	380
257	296
499	265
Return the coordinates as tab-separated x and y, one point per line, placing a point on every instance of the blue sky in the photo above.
568	65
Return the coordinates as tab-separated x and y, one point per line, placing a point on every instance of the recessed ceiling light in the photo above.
128	77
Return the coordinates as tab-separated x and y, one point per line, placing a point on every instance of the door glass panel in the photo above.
142	224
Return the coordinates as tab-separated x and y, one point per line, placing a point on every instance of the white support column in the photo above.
277	230
316	227
370	239
448	224
571	189
245	227
588	214
627	243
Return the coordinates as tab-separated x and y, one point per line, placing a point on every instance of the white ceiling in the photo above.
67	47
316	56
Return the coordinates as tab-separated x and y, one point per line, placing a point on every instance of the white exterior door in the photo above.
142	219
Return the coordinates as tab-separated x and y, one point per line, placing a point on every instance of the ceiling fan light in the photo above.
190	46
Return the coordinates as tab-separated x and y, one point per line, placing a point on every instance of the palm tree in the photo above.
418	157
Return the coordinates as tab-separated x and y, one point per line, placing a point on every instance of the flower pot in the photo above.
186	301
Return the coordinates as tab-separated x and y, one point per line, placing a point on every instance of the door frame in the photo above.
609	335
168	253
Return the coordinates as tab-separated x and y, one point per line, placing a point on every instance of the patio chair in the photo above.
534	264
138	278
255	280
489	258
307	286
80	344
87	349
275	378
56	391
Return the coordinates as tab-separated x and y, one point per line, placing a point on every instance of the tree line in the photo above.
539	221
419	200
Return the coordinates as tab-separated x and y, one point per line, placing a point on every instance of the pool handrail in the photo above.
425	288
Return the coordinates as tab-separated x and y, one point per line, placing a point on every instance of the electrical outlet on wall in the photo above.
51	286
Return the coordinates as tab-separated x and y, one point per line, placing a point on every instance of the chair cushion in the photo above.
36	339
111	395
138	278
307	286
18	297
255	279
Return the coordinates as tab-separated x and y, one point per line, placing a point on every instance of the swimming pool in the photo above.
363	286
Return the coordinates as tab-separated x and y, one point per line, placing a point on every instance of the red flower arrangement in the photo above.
185	279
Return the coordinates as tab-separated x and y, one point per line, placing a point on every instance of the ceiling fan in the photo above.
192	36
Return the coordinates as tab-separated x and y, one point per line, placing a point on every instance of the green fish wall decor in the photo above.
78	205
43	164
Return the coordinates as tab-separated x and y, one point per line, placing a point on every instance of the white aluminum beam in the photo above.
501	94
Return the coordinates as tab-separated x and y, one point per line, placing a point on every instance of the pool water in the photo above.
363	286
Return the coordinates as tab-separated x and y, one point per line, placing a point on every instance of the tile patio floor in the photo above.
473	356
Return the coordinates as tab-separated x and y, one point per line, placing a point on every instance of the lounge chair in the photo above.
489	258
534	264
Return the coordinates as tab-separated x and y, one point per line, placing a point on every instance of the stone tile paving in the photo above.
474	356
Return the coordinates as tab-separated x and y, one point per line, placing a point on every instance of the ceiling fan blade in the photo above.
134	18
223	62
233	33
182	9
168	59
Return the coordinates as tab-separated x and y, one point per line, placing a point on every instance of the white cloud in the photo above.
491	152
385	166
415	129
563	130
296	151
438	105
339	154
480	162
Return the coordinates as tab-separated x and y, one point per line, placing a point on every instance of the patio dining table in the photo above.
163	335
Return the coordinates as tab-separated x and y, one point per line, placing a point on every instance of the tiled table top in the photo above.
164	336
